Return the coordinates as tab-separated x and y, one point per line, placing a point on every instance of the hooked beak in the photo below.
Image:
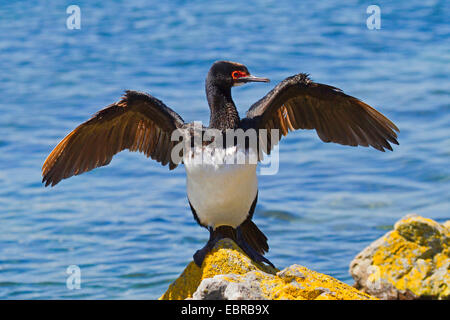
251	78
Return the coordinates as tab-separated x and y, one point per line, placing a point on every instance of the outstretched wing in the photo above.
138	122
299	103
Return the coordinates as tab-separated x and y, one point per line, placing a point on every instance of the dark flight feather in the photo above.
138	122
299	103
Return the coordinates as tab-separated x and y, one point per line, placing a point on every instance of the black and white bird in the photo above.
222	196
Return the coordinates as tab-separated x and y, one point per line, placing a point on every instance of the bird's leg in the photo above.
252	253
200	255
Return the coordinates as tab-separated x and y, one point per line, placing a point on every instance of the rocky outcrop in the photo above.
410	262
227	273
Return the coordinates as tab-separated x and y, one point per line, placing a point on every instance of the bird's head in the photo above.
230	74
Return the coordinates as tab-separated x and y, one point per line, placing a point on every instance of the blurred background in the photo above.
128	226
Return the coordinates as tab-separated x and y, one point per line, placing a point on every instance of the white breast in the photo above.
220	191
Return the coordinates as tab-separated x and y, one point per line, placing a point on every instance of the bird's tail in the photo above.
250	234
254	237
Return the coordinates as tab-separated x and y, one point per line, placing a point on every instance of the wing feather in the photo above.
138	122
299	103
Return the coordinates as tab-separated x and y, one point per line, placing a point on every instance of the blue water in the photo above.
128	225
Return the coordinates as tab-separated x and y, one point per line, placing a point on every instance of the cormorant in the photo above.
222	196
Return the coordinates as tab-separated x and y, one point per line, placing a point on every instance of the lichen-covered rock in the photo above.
410	262
232	287
227	273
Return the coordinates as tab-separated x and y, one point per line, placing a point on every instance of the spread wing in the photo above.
299	103
138	122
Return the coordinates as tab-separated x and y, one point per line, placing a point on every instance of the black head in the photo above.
229	74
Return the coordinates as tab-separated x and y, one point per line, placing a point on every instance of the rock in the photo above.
231	287
227	273
410	262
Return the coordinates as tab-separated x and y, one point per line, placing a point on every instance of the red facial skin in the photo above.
238	74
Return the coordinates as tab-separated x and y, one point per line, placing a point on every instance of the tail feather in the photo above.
254	237
250	232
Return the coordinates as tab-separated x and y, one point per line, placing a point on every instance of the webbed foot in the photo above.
200	255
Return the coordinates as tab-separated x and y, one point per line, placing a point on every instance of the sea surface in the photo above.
128	226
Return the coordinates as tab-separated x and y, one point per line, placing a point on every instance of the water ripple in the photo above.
128	226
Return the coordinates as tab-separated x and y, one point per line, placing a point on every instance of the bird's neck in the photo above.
224	114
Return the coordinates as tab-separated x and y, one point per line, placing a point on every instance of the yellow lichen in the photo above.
225	258
298	283
411	253
318	286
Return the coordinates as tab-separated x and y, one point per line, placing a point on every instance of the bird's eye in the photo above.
238	74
